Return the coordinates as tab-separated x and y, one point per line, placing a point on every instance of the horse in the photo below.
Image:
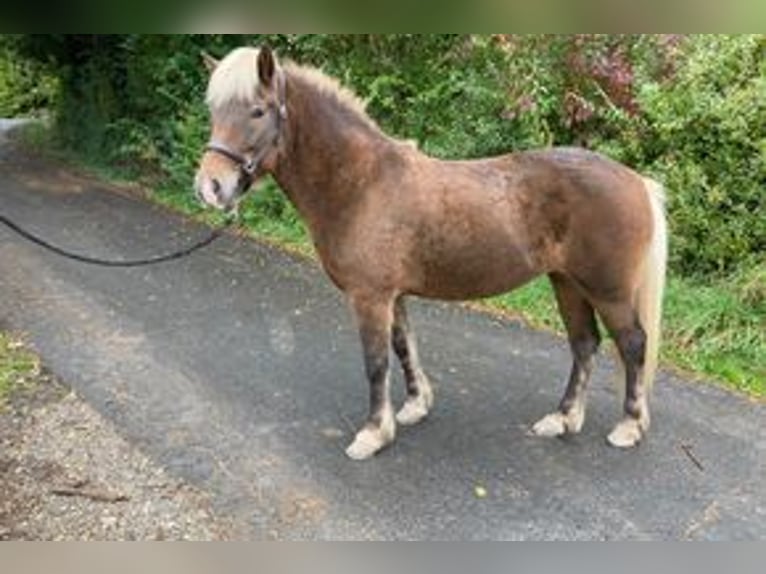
389	222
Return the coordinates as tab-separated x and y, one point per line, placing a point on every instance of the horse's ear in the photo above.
210	63
266	65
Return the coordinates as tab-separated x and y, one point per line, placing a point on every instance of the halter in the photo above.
249	165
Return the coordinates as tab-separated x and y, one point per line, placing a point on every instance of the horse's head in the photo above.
246	99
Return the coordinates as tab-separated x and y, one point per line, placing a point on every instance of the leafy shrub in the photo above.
25	88
706	138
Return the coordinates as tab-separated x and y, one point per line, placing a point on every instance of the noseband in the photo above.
248	166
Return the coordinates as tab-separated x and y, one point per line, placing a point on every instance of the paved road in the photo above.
238	369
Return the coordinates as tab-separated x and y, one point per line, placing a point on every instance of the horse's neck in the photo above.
326	156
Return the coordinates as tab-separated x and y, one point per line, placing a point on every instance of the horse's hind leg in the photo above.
584	340
419	393
622	321
374	315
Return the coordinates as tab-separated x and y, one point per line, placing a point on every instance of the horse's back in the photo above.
591	215
590	171
489	225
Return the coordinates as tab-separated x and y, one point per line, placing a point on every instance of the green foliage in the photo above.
719	328
706	138
25	87
444	91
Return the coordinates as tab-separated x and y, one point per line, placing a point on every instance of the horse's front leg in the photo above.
374	315
420	396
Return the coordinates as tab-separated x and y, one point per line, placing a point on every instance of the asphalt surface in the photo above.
238	370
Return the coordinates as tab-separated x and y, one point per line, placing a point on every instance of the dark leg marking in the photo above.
419	392
375	316
403	343
631	344
376	367
630	338
580	321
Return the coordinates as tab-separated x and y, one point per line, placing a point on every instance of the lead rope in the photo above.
214	234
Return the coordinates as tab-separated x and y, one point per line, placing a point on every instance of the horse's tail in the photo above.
652	285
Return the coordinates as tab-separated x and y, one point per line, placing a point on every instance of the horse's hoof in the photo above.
415	409
369	441
412	412
626	434
550	425
558	423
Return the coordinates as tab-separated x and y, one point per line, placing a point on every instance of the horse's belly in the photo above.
472	270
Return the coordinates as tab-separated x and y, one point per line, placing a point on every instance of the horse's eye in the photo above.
257	113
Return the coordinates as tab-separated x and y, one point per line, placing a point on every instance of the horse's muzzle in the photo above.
223	195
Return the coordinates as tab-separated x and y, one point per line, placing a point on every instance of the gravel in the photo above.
65	474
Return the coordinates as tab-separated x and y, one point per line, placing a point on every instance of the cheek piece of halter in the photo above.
249	165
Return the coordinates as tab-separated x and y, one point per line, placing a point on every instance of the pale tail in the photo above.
653	281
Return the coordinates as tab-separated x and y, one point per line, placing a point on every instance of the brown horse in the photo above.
388	221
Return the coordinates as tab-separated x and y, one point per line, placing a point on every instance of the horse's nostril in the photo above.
216	188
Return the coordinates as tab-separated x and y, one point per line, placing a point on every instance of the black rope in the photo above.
215	234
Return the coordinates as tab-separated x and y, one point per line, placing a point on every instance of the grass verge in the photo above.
709	330
716	330
18	367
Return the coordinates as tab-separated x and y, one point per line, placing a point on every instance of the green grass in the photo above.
715	329
718	330
17	366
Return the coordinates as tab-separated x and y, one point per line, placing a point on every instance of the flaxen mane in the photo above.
234	78
236	75
330	89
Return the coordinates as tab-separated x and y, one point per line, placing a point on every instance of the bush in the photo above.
706	138
25	88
